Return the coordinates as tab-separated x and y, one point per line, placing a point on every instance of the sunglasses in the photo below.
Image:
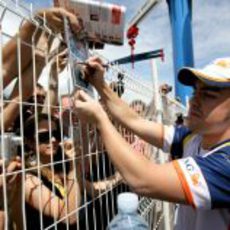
40	99
44	137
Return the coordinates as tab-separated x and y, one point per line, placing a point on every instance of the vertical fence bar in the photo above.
5	203
21	130
166	210
36	121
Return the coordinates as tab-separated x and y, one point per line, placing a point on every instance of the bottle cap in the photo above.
127	202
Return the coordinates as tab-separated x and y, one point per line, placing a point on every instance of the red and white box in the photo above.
101	22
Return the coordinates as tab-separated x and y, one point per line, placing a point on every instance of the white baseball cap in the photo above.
215	74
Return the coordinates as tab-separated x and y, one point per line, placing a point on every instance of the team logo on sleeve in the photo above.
192	171
196	182
195	179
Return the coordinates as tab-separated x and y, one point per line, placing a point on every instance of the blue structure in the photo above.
180	16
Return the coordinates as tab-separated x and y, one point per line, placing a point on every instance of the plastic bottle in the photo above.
127	217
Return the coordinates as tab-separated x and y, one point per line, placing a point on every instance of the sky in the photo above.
211	35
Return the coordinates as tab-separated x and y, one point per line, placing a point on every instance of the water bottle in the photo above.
127	217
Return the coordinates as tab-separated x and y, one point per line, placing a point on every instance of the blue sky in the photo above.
211	35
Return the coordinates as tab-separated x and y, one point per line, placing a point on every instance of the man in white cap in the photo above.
200	177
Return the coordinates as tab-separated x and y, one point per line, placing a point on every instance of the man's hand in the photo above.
71	151
87	109
12	181
55	19
94	71
13	166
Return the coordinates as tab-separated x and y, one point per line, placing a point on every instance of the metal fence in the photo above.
65	179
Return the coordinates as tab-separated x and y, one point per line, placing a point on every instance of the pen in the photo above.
85	63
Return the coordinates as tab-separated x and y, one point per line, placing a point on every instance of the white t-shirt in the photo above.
205	179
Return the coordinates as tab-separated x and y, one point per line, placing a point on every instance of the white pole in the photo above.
162	157
143	12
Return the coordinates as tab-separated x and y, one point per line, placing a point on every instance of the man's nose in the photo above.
195	99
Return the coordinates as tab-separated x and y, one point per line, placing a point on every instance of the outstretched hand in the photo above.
94	71
12	180
55	19
87	109
13	166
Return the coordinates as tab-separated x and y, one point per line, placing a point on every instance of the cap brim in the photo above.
189	76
